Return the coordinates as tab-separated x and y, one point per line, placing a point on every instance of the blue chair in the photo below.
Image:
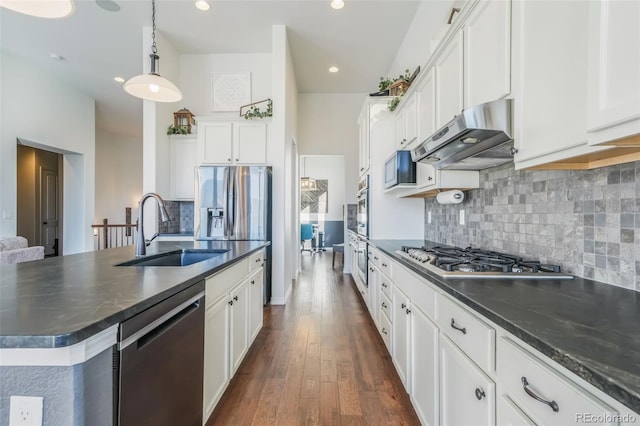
307	233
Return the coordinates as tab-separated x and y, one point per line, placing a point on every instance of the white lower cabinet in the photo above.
424	368
401	333
233	318
373	292
467	395
216	354
509	414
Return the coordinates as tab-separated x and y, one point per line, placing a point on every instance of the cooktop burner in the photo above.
455	262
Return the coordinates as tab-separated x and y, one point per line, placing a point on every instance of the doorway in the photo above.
39	203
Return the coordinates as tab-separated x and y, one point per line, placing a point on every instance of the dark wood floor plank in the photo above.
317	360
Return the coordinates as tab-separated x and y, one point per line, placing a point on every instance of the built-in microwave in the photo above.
399	169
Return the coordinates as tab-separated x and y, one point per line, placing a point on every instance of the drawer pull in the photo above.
375	257
480	394
384	331
371	269
454	326
384	285
253	282
403	305
384	265
235	298
384	305
552	404
408	311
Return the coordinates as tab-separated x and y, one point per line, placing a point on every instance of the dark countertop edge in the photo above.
612	388
78	336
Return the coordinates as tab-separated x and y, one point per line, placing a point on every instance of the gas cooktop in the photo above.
455	262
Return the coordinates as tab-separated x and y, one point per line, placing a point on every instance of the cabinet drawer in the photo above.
374	257
515	365
386	265
222	282
256	260
385	331
385	285
385	306
416	289
473	336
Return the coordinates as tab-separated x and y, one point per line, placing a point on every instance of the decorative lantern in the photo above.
398	88
184	117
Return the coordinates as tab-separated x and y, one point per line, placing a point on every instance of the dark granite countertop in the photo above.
591	328
61	301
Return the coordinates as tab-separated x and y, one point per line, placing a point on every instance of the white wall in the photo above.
196	74
51	116
330	168
428	26
118	176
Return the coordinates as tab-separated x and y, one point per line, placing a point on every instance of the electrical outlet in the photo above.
461	217
428	217
25	410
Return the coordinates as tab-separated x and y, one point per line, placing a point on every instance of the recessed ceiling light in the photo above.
337	4
203	5
119	79
56	57
334	69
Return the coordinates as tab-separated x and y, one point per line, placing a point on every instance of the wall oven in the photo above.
363	207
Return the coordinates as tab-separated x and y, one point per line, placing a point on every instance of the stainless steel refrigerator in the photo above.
234	203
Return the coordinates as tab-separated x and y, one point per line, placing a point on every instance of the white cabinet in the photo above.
424	368
449	81
182	164
426	106
487	53
430	181
363	141
216	354
462	384
369	129
400	312
509	414
373	281
221	142
239	324
256	282
614	70
407	121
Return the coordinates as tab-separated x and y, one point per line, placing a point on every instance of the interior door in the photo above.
49	211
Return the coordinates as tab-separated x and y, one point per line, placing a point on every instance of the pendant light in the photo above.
40	9
307	183
152	86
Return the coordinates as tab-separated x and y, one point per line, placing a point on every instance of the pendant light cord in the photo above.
154	48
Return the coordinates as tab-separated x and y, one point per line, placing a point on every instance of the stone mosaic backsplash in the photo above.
588	221
181	213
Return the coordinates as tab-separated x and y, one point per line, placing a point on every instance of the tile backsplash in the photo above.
181	213
588	221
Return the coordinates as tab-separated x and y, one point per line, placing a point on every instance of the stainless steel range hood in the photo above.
478	138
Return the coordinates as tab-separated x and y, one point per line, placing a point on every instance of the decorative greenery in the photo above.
393	102
177	130
256	112
386	82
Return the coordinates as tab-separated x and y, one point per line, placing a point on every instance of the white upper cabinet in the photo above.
449	81
363	144
183	161
401	129
223	142
407	122
487	53
426	109
614	70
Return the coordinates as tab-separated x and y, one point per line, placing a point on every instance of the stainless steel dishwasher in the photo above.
160	356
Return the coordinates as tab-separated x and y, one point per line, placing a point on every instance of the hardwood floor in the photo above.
317	361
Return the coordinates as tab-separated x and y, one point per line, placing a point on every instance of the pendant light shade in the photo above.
152	86
307	183
40	8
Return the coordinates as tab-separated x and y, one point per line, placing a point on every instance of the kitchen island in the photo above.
59	320
587	327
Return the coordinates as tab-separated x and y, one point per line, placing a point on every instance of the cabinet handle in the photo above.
229	159
384	265
429	178
408	311
454	326
253	282
480	394
237	159
235	298
513	150
402	305
375	257
361	168
552	404
384	331
384	285
384	305
231	302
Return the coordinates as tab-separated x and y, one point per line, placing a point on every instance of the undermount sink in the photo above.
175	258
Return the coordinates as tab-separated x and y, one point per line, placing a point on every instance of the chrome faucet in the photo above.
141	244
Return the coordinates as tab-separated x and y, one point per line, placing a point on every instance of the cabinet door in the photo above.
509	414
363	147
216	354
239	302
184	159
487	53
401	136
373	281
250	143
614	69
400	335
427	105
411	119
449	82
215	141
256	281
467	395
424	366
